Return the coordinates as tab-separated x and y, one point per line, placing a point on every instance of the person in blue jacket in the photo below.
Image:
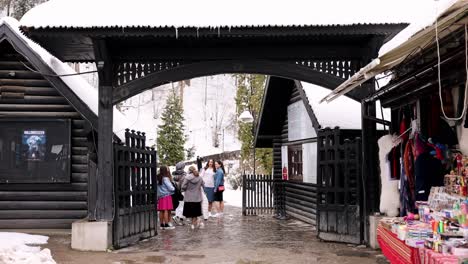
165	192
219	187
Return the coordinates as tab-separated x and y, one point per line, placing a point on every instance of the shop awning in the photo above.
451	18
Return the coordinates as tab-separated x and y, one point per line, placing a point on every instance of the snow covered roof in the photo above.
214	13
80	87
344	112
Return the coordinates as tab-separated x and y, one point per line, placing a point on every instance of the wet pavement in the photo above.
233	239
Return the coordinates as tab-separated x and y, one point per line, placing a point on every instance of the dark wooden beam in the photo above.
200	69
233	50
370	181
102	208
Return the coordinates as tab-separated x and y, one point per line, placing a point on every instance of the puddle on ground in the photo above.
248	261
125	261
155	259
356	253
189	256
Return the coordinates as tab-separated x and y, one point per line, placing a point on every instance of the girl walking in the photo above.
165	191
192	186
208	178
219	187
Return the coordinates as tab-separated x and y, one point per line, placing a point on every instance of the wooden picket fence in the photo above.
258	195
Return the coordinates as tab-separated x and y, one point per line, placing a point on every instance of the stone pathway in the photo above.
234	239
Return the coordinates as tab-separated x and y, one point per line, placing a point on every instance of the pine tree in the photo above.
171	138
18	7
250	90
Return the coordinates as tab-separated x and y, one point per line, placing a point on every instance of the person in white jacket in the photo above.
207	174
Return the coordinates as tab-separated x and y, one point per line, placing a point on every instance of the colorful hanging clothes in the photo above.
408	163
395	166
407	194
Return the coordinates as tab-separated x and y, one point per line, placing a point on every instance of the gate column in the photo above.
95	233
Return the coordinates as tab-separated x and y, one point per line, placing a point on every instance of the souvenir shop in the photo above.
424	160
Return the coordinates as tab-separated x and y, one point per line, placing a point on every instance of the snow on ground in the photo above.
15	248
232	197
209	112
213	13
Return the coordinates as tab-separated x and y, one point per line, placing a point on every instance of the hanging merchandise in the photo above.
389	197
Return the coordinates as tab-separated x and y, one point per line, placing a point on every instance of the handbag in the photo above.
221	188
177	193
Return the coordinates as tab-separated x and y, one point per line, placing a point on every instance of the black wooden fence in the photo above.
135	190
257	195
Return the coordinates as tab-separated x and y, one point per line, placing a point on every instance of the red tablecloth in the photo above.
395	250
428	256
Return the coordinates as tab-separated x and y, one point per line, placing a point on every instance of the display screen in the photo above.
34	151
34	145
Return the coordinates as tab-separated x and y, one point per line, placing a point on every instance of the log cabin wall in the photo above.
300	197
26	94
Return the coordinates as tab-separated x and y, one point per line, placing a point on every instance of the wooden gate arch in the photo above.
131	59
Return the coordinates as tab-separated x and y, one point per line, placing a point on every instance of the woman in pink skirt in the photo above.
165	190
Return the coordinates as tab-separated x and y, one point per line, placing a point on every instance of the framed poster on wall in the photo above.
35	150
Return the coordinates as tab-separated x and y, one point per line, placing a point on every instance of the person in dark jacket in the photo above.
192	186
199	163
179	175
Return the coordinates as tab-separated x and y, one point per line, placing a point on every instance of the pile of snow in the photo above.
344	112
214	13
15	249
233	197
87	93
428	12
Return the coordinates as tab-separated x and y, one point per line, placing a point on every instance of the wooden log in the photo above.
41	214
300	211
306	218
19	74
13	65
80	168
40	114
28	99
311	200
36	223
29	90
25	82
36	107
79	150
78	123
79	132
300	204
42	196
311	194
79	159
62	187
79	142
41	205
79	177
